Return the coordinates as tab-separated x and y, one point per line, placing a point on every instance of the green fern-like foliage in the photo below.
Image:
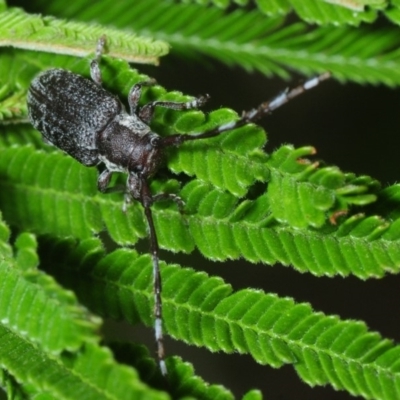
37	32
321	12
351	12
50	342
243	200
273	330
256	42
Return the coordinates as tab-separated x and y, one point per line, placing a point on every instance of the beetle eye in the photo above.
155	141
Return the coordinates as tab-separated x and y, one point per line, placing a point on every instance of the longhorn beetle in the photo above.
81	118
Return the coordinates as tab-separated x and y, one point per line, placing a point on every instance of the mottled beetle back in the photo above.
71	111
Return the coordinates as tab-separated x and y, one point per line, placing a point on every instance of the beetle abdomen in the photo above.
70	110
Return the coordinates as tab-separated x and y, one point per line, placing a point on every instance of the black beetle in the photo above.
83	119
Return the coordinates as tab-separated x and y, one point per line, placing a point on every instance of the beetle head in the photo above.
127	144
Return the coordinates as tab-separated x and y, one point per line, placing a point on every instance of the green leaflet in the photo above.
5	248
273	7
321	12
204	311
394	12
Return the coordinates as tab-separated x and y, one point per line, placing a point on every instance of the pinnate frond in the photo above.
182	379
30	300
312	192
78	368
314	11
255	42
73	38
220	225
48	340
204	311
82	372
53	351
364	246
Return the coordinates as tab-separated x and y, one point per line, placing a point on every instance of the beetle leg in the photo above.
139	189
127	201
135	93
171	196
147	111
103	181
95	71
157	288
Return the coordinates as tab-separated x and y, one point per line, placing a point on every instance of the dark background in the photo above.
352	126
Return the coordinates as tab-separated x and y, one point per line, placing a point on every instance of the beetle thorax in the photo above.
128	145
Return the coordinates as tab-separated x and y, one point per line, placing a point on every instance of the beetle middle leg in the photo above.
136	92
173	197
147	111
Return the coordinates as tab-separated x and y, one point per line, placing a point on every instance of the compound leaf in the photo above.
182	379
240	203
45	33
351	12
255	42
82	372
30	300
204	311
219	224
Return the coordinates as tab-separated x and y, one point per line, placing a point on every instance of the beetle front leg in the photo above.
136	92
95	71
103	181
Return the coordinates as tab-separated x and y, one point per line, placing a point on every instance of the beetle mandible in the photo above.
81	118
